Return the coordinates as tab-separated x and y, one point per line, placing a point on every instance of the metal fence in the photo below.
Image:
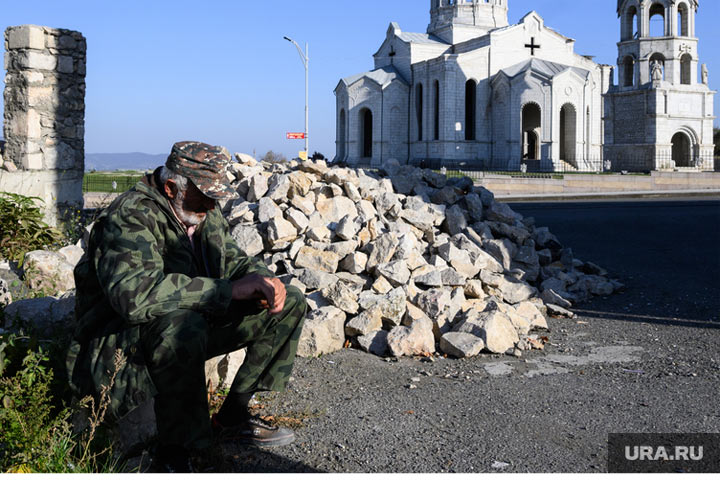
109	183
547	168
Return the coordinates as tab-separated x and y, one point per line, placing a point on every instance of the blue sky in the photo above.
219	71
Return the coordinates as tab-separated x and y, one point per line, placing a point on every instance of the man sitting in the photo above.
163	281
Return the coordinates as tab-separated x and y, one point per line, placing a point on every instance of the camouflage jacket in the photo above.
140	265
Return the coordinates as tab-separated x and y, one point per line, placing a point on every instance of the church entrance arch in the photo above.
366	132
681	149
531	128
568	132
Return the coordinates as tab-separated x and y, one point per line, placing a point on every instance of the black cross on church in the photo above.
532	46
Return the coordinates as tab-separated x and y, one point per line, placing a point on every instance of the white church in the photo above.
477	91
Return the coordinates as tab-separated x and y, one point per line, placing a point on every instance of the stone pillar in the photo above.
44	120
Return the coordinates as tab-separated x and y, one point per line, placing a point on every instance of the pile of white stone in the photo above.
399	261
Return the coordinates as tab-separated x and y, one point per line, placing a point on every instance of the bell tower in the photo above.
657	36
455	21
660	113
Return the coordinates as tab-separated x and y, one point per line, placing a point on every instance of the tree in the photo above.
716	140
272	157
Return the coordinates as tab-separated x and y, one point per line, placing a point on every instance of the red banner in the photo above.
295	136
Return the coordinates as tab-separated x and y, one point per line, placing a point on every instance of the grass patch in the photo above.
110	182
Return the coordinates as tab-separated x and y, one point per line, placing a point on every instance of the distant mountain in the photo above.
123	161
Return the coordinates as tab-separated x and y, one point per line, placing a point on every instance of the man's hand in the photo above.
270	292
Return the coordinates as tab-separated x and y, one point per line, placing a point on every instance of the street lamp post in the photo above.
306	60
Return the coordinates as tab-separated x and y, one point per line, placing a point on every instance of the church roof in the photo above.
549	69
382	76
420	38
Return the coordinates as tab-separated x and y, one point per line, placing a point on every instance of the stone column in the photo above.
44	120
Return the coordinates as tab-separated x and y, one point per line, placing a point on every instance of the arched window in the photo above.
531	130
470	109
436	110
657	20
659	59
366	132
568	133
683	20
341	135
419	109
629	24
628	72
685	66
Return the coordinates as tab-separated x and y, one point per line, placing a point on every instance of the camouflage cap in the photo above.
205	165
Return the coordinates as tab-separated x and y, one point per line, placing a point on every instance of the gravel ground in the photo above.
644	360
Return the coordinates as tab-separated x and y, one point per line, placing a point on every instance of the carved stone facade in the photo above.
660	112
44	119
474	90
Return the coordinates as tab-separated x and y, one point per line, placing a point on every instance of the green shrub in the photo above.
37	434
22	227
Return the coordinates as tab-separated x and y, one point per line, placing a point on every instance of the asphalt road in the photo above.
645	360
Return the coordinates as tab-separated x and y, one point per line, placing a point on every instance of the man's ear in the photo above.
171	189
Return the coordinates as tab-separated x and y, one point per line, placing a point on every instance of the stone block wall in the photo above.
44	119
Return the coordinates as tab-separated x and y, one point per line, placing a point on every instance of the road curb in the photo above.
559	197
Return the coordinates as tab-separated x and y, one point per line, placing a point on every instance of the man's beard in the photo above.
187	218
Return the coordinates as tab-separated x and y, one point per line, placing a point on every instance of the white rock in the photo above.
316	279
343	249
434	301
374	342
396	272
280	231
455	220
501	212
530	311
48	272
334	209
392	305
220	371
461	345
248	239
297	218
72	254
309	257
428	275
305	204
366	322
381	250
417	339
354	263
558	311
258	187
342	296
319	234
323	332
550	296
474	289
347	228
5	295
498	333
267	210
515	291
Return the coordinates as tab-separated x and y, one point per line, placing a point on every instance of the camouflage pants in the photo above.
177	345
